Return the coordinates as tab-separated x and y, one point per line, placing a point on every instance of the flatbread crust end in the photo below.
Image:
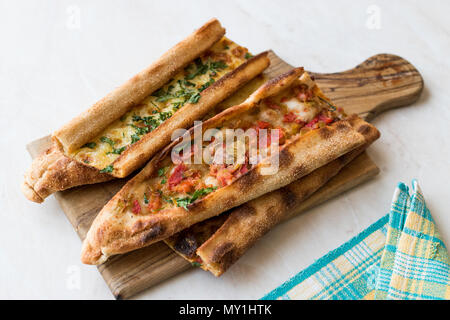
53	171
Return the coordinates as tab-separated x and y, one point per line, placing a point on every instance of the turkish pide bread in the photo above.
122	131
169	196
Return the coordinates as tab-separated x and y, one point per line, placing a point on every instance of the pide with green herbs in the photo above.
174	192
184	88
121	132
294	111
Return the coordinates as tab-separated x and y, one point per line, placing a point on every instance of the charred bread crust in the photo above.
186	242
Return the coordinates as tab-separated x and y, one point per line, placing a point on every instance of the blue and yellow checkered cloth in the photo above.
401	256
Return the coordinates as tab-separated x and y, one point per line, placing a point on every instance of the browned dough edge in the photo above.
53	171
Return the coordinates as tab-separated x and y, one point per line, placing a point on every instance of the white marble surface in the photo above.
51	68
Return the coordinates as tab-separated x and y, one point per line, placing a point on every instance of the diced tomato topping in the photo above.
238	52
325	119
155	202
195	174
312	122
263	125
289	117
284	99
304	93
213	170
224	177
233	169
185	186
244	169
177	175
199	260
301	96
274	106
136	207
281	137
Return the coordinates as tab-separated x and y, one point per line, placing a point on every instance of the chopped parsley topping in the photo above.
248	56
206	85
184	93
216	66
145	199
184	202
194	98
162	95
166	199
117	151
163	116
196	264
140	131
90	145
107	140
150	121
176	105
161	171
185	83
203	68
107	169
332	107
135	138
200	69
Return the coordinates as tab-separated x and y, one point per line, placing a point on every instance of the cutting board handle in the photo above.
382	82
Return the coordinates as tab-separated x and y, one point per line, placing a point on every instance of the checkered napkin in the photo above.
401	256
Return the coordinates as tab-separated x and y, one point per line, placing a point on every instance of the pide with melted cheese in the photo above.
167	197
122	131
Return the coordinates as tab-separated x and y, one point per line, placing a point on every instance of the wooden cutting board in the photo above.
382	82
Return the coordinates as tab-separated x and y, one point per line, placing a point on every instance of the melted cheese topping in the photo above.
303	110
184	88
178	185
